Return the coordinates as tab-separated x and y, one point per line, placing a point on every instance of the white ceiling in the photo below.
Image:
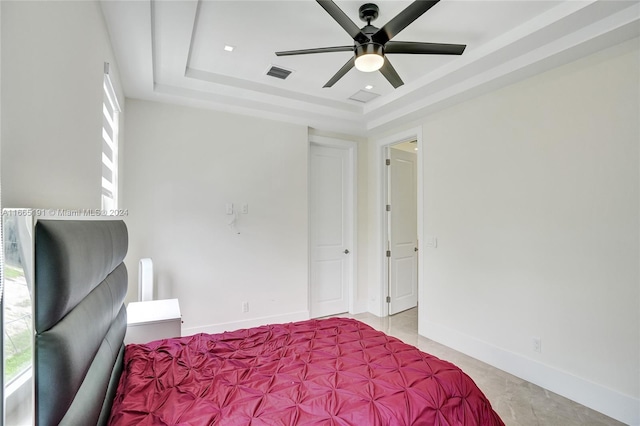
172	51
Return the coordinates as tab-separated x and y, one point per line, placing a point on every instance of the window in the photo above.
110	112
2	401
17	332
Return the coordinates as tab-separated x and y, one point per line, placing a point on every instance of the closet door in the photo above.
331	233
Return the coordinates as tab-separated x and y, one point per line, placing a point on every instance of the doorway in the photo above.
402	226
379	195
332	226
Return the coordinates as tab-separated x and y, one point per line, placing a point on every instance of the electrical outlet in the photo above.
245	306
536	344
245	208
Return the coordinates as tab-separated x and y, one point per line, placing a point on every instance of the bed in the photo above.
335	371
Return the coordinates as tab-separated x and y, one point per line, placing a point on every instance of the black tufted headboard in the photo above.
79	318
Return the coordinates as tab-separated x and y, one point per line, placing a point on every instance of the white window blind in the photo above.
110	111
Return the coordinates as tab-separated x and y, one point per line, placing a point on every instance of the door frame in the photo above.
379	306
352	148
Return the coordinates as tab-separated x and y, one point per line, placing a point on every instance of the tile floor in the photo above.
518	402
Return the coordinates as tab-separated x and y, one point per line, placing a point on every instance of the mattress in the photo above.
335	371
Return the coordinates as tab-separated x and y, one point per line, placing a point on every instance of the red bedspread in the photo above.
334	371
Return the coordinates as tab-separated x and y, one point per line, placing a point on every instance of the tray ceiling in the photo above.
173	51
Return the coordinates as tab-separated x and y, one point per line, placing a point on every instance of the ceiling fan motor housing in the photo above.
369	49
368	12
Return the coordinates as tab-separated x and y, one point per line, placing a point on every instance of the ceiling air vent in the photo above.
363	96
278	72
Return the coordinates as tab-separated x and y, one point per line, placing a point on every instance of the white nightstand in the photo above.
153	320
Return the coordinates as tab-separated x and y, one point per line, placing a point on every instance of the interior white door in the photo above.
331	233
403	231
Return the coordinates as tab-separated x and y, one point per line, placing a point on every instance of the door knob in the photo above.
346	251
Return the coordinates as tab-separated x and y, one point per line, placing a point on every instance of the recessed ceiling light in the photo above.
228	48
368	87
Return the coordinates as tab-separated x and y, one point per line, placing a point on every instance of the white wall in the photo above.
182	166
53	55
533	194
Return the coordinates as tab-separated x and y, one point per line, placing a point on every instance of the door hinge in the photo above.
388	299
388	162
388	253
388	207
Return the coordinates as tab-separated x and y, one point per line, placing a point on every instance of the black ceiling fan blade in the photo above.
316	50
402	20
413	47
345	69
391	74
345	22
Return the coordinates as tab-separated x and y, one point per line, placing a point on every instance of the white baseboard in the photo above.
614	404
248	323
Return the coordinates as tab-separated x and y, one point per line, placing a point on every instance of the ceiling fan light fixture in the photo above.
369	57
370	43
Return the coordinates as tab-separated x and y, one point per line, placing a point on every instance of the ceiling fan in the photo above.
371	43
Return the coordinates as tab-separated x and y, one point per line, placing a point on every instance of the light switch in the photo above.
245	208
